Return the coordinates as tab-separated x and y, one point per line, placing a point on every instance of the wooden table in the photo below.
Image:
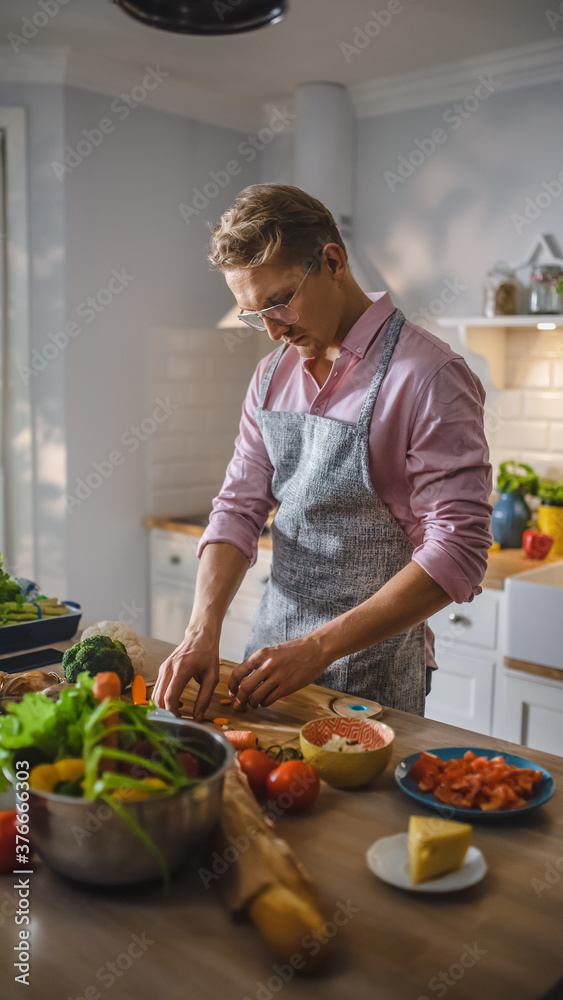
395	945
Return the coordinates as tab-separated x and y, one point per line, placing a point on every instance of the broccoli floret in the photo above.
95	655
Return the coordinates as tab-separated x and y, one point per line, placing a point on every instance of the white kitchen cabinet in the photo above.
532	710
174	566
468	653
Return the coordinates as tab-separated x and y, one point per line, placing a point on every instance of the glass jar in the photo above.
499	293
544	297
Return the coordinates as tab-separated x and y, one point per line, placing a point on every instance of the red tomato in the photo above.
294	785
7	841
257	766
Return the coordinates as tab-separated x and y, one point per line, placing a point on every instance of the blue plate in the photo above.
544	791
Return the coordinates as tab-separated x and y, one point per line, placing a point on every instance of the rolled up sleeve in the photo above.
241	508
450	476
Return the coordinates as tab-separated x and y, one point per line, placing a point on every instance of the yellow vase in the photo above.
550	521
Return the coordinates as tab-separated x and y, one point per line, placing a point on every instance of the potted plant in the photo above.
550	513
511	514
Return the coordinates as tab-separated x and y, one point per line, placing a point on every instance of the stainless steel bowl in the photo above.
88	841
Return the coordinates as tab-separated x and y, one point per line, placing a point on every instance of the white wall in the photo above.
118	209
122	213
44	106
451	219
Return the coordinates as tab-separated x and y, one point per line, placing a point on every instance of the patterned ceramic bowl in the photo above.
345	768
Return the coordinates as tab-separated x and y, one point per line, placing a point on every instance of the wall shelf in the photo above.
487	337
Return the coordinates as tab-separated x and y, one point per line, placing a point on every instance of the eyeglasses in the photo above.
280	314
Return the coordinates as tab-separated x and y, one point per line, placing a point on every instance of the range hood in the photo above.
323	165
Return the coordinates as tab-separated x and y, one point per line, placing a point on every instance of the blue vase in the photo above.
509	519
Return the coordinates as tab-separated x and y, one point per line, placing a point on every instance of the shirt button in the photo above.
317	409
358	350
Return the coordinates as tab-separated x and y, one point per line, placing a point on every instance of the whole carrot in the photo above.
108	685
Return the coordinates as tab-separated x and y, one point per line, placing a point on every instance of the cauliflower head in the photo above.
136	649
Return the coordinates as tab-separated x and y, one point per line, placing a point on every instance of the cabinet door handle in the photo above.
459	619
175	560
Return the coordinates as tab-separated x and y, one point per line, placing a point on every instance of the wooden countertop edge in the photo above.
507	562
538	669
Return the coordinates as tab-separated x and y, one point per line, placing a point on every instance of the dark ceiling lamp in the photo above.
205	17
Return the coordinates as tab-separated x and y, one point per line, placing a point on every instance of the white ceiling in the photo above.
232	76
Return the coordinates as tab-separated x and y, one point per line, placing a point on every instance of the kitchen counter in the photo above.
396	945
507	562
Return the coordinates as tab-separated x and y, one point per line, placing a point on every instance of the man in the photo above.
368	433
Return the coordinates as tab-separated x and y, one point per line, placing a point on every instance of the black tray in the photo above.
28	635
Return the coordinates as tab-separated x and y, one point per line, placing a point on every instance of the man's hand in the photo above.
277	671
197	658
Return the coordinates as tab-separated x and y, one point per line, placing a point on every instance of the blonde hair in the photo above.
272	223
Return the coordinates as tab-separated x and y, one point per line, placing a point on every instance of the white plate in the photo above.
388	858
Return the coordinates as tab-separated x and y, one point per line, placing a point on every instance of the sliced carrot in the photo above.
139	690
220	721
226	701
242	739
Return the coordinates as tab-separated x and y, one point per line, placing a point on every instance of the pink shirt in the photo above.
427	448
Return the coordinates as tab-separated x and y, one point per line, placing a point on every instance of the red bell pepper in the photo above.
7	841
536	545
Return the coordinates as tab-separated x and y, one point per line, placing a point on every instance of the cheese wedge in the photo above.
436	846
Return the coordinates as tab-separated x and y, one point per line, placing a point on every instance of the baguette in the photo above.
291	926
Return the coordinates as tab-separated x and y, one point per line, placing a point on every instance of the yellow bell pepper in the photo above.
137	794
45	777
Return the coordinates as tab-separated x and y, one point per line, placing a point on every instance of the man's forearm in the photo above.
407	599
221	571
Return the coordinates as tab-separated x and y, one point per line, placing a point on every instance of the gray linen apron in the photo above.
335	543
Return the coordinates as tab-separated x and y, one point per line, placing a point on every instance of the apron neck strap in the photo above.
268	376
391	339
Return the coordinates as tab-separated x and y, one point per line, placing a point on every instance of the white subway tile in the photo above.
510	404
543	404
555	442
548	465
557	374
164	448
522	434
526	373
182	368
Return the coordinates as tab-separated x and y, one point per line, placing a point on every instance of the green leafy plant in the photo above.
10	594
551	490
509	480
75	725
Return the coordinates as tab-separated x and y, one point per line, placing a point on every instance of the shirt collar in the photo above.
361	335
